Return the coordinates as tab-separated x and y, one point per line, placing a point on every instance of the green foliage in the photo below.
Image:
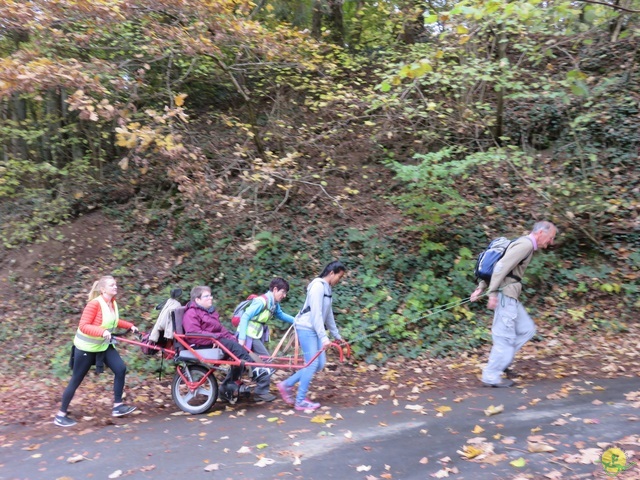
244	141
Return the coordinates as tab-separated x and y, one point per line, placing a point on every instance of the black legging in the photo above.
82	362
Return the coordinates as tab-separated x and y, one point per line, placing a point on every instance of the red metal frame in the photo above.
290	363
287	363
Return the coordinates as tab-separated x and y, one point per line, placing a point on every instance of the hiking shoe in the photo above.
503	383
510	373
259	372
122	410
286	393
65	421
264	397
307	404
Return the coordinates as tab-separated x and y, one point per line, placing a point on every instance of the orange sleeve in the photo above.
91	320
124	324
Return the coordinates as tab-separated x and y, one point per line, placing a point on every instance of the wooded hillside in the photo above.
231	141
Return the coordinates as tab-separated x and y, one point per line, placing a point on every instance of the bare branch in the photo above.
610	5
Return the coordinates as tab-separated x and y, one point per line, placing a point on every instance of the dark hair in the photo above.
196	292
334	267
279	283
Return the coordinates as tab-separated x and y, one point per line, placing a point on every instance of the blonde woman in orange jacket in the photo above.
93	346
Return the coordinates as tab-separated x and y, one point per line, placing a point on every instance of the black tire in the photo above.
200	400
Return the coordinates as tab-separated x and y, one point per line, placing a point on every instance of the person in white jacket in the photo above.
311	324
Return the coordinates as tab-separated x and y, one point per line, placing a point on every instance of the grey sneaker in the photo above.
65	421
264	397
503	383
122	410
306	404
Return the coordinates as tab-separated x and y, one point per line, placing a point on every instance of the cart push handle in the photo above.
343	348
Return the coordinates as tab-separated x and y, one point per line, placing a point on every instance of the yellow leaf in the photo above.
260	446
321	418
494	410
520	462
469	451
272	419
179	99
535	430
478	429
443	409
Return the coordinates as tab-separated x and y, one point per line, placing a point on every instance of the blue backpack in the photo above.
489	257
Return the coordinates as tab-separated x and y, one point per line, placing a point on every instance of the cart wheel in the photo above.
194	401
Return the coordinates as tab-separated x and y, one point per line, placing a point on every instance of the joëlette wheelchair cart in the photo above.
194	387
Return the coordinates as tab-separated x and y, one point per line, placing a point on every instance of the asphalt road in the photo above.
410	438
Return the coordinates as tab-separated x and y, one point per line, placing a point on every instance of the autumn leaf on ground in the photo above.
560	422
363	468
260	446
212	468
478	429
554	475
494	459
322	418
445	472
443	409
634	398
470	452
491	410
586	456
116	474
539	447
416	408
244	449
75	459
519	463
264	461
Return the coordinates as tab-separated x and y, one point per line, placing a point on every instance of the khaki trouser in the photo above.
512	328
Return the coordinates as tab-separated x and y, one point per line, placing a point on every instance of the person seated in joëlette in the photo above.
200	316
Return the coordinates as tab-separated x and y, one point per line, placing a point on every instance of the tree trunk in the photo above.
19	115
316	19
50	139
336	22
502	54
413	26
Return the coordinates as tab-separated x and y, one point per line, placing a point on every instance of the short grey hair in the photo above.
196	292
544	226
